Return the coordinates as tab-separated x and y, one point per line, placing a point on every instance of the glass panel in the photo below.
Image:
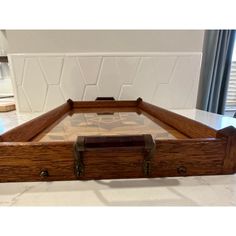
123	123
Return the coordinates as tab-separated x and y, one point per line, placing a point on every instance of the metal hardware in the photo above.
44	173
78	151
142	142
150	147
182	170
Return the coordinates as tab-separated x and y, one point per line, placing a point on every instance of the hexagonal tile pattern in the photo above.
164	67
182	81
110	81
127	67
170	81
146	78
72	83
128	93
34	84
54	98
51	67
18	67
90	68
91	93
22	103
162	96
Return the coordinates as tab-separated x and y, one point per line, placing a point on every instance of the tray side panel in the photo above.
113	164
229	134
25	161
189	127
188	157
28	130
105	104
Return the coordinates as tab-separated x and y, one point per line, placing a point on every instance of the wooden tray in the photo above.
107	139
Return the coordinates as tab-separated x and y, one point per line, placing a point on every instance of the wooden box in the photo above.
108	139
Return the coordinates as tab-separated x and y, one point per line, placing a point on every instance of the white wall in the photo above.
65	41
48	67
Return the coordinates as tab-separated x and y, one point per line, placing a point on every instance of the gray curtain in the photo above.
215	70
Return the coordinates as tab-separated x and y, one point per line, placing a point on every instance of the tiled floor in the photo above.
184	191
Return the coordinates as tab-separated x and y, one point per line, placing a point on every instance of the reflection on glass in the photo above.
125	123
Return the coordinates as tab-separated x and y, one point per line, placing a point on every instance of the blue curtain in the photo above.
215	70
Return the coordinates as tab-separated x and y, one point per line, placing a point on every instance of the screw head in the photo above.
44	173
182	170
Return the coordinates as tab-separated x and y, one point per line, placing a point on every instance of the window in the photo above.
230	108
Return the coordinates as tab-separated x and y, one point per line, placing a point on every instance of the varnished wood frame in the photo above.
206	152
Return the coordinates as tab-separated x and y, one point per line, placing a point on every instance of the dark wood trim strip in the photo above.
104	104
3	59
191	128
28	130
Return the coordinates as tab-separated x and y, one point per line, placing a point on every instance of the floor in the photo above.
184	191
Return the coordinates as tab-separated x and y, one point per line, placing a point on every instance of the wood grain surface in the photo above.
28	130
183	124
25	162
201	151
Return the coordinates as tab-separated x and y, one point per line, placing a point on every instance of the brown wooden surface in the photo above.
183	124
198	156
229	133
104	104
25	161
28	130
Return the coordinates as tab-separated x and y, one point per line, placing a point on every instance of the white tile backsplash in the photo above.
44	81
51	67
34	84
90	67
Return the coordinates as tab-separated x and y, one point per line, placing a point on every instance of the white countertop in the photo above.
181	191
211	119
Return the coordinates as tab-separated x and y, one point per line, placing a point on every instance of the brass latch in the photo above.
144	142
150	147
79	148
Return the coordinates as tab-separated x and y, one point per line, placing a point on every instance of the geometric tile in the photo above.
167	80
51	67
18	63
22	103
182	81
54	98
72	83
34	84
127	67
91	93
146	79
109	81
90	68
128	93
192	98
164	68
162	96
